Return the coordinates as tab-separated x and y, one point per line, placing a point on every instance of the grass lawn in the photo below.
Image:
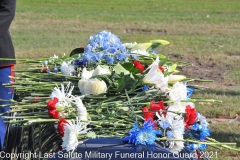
205	33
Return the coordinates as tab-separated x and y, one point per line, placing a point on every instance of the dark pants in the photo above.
5	93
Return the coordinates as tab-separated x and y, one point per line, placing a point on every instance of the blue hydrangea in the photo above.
78	62
105	46
142	136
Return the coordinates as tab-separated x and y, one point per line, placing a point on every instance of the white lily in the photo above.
156	77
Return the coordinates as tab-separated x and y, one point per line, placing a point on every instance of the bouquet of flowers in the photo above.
111	89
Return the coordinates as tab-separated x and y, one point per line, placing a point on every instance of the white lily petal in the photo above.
99	71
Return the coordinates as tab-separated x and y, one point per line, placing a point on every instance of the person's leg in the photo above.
5	94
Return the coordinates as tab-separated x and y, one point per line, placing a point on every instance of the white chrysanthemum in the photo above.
63	95
178	92
86	74
67	68
178	107
100	71
71	132
155	76
81	109
95	87
176	123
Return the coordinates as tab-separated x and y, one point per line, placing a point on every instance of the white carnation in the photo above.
71	132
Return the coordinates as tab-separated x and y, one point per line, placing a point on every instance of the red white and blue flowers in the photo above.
120	90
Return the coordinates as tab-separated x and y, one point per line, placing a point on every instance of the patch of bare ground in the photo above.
204	69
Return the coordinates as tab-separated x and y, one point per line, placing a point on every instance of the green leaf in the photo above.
118	68
129	66
76	51
126	82
163	61
91	135
158	42
172	68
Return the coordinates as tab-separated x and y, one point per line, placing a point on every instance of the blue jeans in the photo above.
5	93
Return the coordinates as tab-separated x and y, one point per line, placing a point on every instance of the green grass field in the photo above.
205	33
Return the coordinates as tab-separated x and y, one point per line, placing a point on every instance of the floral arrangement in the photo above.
111	89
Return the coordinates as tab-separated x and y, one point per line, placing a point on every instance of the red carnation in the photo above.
138	65
157	106
148	115
161	68
60	127
53	113
190	116
52	103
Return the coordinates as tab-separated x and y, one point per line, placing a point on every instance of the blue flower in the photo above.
48	71
145	88
144	136
202	147
205	132
78	62
110	60
197	131
55	70
190	92
104	46
191	147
